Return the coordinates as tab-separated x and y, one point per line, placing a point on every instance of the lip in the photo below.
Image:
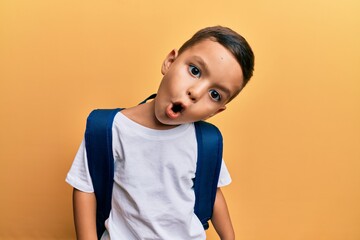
170	112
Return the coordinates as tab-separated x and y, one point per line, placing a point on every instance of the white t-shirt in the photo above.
152	193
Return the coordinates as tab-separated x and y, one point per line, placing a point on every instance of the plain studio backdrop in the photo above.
292	137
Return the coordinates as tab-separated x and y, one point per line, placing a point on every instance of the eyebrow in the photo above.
202	63
205	67
224	89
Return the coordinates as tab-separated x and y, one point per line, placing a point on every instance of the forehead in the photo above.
216	61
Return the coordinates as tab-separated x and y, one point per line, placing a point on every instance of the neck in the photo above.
144	114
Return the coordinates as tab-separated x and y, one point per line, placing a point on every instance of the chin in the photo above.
171	123
164	121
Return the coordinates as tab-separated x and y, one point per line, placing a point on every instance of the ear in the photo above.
170	58
223	108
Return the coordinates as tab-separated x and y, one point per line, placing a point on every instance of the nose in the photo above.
196	91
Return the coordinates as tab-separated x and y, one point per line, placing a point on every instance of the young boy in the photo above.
155	149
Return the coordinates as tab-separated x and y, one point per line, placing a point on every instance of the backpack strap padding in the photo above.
210	146
98	142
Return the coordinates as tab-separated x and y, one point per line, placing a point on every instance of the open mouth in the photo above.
177	107
174	110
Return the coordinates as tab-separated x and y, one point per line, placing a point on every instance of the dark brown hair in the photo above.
232	41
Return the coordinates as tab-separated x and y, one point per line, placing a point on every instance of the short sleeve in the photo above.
78	175
224	178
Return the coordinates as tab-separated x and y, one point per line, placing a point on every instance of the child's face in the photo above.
197	83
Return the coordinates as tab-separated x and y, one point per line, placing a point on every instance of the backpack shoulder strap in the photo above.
98	142
210	146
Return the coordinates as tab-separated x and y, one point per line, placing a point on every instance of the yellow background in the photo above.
292	137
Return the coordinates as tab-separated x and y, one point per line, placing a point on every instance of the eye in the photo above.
195	71
215	95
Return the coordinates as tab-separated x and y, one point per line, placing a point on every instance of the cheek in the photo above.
178	76
205	108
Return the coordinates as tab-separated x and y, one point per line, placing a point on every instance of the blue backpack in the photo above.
98	141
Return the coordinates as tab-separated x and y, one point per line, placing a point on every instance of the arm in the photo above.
84	206
221	218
